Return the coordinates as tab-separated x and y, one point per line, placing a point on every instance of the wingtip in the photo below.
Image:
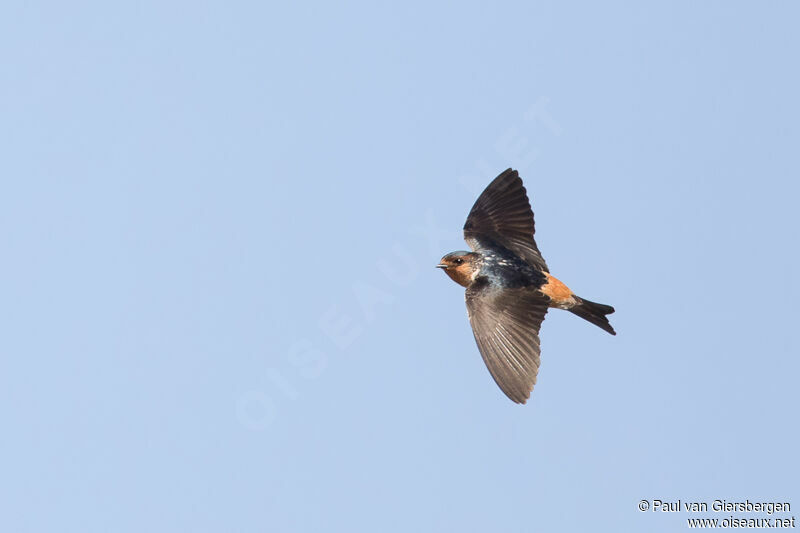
519	400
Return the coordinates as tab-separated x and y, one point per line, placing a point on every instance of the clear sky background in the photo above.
219	224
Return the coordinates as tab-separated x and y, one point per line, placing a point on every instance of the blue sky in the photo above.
220	221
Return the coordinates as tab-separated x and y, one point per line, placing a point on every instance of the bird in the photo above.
509	287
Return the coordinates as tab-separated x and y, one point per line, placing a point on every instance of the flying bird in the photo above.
509	286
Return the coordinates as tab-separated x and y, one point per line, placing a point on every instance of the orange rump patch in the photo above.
556	290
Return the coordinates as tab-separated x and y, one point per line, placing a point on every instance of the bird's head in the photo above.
460	266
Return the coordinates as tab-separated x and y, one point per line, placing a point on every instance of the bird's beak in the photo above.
441	265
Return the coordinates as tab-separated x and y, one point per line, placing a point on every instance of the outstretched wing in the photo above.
503	214
506	324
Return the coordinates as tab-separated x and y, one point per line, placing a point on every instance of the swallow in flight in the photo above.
509	287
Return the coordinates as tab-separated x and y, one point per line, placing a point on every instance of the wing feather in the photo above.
502	214
506	325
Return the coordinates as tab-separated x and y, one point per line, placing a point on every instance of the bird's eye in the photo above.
458	261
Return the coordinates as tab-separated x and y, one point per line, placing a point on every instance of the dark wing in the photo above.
506	324
503	214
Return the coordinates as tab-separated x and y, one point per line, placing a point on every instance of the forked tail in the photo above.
594	313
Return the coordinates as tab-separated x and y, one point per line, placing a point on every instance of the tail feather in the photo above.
594	313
